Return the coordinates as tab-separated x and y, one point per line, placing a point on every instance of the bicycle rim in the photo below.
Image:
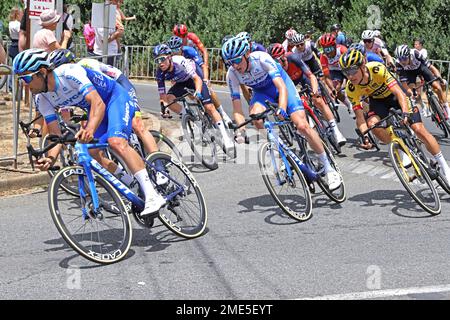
165	144
290	193
438	116
201	141
185	214
104	239
417	183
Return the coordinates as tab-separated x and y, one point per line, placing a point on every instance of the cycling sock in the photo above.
145	183
123	176
442	163
324	159
220	109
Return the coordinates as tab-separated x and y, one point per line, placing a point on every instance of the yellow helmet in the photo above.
351	58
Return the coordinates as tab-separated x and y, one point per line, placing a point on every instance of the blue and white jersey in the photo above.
307	53
72	84
260	74
191	53
183	70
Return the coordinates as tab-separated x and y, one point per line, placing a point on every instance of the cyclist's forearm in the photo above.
53	128
238	114
96	116
205	70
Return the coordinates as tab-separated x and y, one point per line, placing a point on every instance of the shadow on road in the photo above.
399	200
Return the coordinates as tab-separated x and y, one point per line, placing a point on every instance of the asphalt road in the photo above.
378	244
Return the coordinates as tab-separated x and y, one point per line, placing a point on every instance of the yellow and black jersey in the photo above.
378	87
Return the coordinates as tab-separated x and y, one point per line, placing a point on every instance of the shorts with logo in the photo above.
270	92
118	117
178	90
380	107
410	76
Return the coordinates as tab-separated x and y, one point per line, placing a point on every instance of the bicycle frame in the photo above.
89	164
310	175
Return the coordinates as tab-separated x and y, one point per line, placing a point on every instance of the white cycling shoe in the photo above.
341	140
153	204
161	179
333	180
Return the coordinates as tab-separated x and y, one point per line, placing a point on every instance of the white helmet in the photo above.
297	39
290	33
367	35
402	51
376	33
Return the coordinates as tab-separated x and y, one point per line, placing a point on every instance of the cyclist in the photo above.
192	40
270	82
110	111
332	70
308	53
299	72
62	56
359	109
376	45
182	73
410	64
176	46
254	46
287	44
335	30
374	81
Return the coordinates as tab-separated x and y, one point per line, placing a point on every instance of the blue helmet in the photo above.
234	48
358	46
175	43
161	50
226	38
61	56
30	60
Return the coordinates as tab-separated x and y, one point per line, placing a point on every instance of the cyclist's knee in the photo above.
119	145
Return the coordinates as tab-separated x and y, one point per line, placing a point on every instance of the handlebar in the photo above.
272	108
380	124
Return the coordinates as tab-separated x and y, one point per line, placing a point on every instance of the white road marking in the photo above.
382	293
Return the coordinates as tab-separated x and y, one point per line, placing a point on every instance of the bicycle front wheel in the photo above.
438	115
103	237
185	213
289	190
201	140
416	181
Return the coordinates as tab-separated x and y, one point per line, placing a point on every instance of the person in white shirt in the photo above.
14	29
418	45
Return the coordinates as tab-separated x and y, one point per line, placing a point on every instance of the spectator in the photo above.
67	25
23	28
122	15
113	38
418	45
14	30
45	38
89	37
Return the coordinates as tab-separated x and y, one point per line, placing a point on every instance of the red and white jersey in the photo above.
332	63
287	47
377	46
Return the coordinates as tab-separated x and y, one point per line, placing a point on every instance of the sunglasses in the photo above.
160	59
234	61
301	44
27	78
350	71
368	41
403	58
328	49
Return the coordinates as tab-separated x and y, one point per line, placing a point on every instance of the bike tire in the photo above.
289	202
188	124
438	115
287	134
165	144
434	207
116	213
174	215
63	162
330	102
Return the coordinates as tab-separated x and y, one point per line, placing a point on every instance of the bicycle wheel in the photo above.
438	115
165	144
330	102
290	192
416	182
201	140
338	195
321	130
185	213
287	134
65	159
104	238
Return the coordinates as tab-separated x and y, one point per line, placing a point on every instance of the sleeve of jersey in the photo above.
160	81
192	54
422	59
233	85
196	40
324	64
388	78
77	79
45	108
270	66
297	60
